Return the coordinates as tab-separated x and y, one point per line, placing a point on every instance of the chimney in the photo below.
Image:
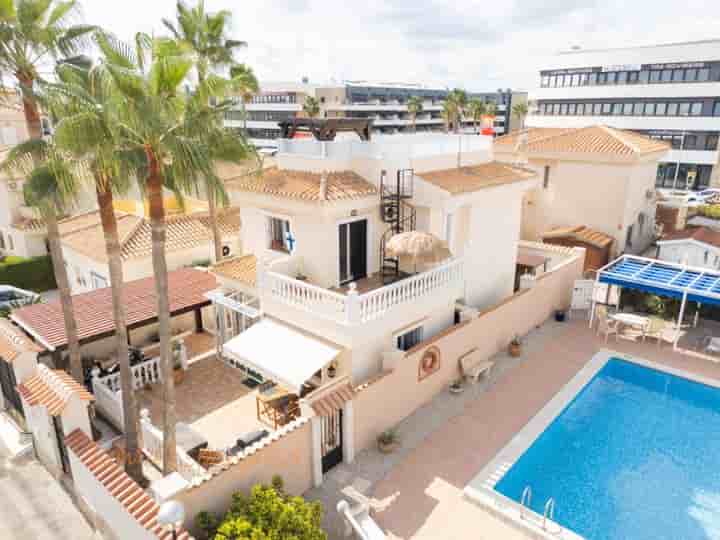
323	186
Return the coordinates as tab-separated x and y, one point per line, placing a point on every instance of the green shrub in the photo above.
35	274
710	211
268	513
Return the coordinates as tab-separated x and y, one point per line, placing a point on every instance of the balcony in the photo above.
349	308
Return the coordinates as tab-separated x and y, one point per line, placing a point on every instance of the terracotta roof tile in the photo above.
306	186
242	269
699	234
600	140
123	488
52	389
84	234
333	400
14	342
477	177
582	234
93	310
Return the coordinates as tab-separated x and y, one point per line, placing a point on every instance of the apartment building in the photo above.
385	104
669	92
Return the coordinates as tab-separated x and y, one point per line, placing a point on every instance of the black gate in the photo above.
331	440
9	389
64	459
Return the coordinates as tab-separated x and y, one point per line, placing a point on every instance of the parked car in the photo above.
12	297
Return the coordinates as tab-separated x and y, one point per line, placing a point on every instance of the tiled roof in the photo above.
600	140
483	176
581	234
93	310
305	186
182	232
52	388
14	342
699	234
333	400
508	142
118	484
242	268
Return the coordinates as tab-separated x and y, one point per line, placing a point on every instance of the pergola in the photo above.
662	278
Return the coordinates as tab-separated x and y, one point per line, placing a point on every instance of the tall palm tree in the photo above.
414	107
457	100
245	85
170	130
33	33
476	108
203	37
83	101
520	111
51	188
448	114
311	107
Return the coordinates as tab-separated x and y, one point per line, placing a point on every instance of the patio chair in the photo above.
607	327
655	329
711	345
208	458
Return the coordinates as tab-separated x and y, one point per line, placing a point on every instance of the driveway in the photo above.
35	506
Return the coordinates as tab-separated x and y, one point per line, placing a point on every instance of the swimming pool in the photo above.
634	455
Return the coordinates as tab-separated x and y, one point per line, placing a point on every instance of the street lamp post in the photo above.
171	517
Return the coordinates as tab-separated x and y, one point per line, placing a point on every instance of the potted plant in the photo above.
456	387
560	315
178	371
388	441
515	347
332	369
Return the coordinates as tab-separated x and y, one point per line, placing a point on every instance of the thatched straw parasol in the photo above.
421	247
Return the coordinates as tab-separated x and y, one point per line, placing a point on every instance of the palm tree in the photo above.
170	131
245	85
82	100
414	107
203	37
51	188
33	32
520	111
311	107
457	98
476	108
448	114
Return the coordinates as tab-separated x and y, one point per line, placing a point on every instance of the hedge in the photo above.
35	274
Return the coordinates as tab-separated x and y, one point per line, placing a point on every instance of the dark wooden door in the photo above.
331	440
9	388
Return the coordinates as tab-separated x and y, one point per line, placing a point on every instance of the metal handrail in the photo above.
549	512
525	500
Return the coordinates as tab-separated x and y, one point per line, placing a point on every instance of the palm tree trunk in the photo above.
66	302
157	223
212	211
133	454
30	108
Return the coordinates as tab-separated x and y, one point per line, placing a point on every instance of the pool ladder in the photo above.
549	512
525	500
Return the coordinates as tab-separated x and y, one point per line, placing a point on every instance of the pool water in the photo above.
635	456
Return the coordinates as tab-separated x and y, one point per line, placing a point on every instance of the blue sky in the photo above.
478	45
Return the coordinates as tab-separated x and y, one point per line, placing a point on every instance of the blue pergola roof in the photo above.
663	278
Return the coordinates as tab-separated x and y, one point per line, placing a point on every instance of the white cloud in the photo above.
478	45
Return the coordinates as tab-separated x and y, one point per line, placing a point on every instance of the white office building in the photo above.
670	92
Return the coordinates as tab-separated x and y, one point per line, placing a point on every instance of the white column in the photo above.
348	432
680	318
317	451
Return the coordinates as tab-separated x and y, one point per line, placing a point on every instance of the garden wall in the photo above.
392	396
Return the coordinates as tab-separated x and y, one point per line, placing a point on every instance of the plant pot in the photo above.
331	372
560	316
514	349
388	448
178	376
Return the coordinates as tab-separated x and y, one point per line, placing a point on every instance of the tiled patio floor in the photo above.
212	399
446	443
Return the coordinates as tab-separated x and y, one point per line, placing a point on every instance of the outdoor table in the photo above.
190	440
631	319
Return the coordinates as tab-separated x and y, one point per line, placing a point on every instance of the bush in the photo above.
268	513
35	274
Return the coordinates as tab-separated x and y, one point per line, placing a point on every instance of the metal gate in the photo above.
9	388
331	440
60	438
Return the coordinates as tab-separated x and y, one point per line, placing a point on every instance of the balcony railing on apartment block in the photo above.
353	308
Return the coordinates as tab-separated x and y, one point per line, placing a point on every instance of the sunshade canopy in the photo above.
663	278
280	353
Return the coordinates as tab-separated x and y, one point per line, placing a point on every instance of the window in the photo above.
546	177
638	109
622	77
279	237
690	142
556	109
544	81
641	223
684	109
602	78
592	79
716	108
617	109
691	75
650	109
644	77
703	75
408	340
98	281
607	108
580	109
711	142
633	77
563	108
575	80
672	109
627	109
705	257
696	108
572	107
628	239
597	109
583	79
655	76
660	109
666	75
449	228
678	75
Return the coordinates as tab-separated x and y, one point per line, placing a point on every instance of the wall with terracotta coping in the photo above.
288	452
388	399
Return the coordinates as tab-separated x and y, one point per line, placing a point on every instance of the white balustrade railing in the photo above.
376	303
356	309
152	440
109	403
144	373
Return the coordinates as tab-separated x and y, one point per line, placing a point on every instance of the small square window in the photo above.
597	109
627	109
660	109
655	76
703	75
672	109
684	109
696	108
572	107
622	77
580	109
607	108
633	77
617	109
592	79
408	340
638	109
678	75
644	77
666	75
279	237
